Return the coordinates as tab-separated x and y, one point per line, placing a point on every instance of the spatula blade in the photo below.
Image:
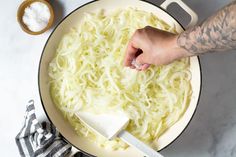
107	125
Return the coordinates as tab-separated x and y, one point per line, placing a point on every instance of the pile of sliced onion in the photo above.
87	73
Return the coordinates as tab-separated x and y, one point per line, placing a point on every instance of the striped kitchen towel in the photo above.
40	139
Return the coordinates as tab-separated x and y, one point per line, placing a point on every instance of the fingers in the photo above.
142	59
145	66
133	48
134	51
130	54
142	67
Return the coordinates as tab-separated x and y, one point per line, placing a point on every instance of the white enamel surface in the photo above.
56	116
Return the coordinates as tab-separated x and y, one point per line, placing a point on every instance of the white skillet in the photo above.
73	19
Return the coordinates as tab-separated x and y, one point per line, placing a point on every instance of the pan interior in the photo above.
54	114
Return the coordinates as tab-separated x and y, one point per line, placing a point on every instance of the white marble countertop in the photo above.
211	133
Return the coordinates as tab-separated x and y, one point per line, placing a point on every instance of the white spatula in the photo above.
113	125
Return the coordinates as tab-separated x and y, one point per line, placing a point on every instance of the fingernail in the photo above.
145	66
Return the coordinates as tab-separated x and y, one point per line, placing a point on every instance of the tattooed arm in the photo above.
217	33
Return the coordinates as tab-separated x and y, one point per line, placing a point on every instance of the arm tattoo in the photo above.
217	33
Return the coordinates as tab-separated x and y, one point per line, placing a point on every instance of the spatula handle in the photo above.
131	140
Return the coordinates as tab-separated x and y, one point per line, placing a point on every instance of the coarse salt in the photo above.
136	65
36	16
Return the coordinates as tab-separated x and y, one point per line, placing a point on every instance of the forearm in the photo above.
217	33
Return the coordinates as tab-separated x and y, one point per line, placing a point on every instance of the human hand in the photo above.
153	46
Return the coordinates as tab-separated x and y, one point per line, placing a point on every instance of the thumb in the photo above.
141	59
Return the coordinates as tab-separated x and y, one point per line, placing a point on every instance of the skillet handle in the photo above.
80	154
133	141
186	8
76	153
